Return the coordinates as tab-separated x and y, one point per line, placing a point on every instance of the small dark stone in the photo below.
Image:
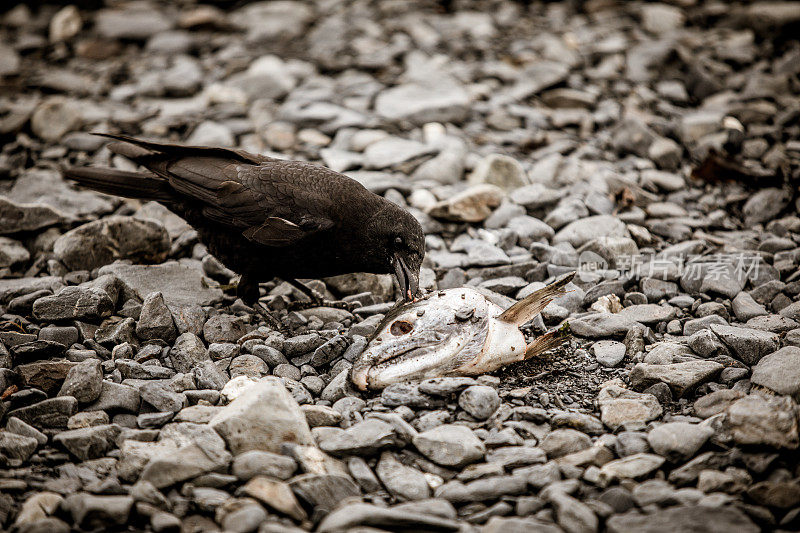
661	391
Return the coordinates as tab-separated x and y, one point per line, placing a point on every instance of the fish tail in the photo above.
548	341
530	306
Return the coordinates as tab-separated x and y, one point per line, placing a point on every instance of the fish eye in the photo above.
401	327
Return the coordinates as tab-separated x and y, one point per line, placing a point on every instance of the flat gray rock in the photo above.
18	216
679	441
402	481
181	284
747	345
756	420
779	371
17	447
262	417
600	325
482	489
619	406
88	443
648	313
745	307
694	518
586	229
100	242
364	514
46	187
364	438
419	104
130	23
681	377
450	445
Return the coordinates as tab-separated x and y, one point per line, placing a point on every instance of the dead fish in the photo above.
456	332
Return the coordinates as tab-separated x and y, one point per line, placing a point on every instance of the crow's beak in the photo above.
408	280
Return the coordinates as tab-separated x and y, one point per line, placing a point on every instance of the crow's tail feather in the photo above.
141	185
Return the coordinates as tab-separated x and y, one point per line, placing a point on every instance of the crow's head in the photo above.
400	246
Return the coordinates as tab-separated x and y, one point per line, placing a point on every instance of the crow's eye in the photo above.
398	241
401	327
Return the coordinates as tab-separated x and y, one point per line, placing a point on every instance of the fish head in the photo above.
425	338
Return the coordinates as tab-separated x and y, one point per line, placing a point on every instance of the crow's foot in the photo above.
271	318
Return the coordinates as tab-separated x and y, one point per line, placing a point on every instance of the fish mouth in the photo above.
363	374
406	278
421	360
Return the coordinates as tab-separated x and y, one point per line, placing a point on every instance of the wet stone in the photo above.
84	381
410	395
247	424
678	441
754	420
684	518
364	438
17	447
747	345
51	413
261	463
403	482
155	320
480	401
681	377
778	371
445	386
90	442
609	353
450	445
74	303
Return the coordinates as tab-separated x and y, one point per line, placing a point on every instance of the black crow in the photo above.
264	217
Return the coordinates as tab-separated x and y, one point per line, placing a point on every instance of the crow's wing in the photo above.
272	201
275	203
147	153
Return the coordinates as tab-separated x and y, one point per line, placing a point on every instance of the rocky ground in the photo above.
653	147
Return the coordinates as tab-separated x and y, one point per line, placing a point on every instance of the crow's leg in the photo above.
316	300
247	290
310	293
270	318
